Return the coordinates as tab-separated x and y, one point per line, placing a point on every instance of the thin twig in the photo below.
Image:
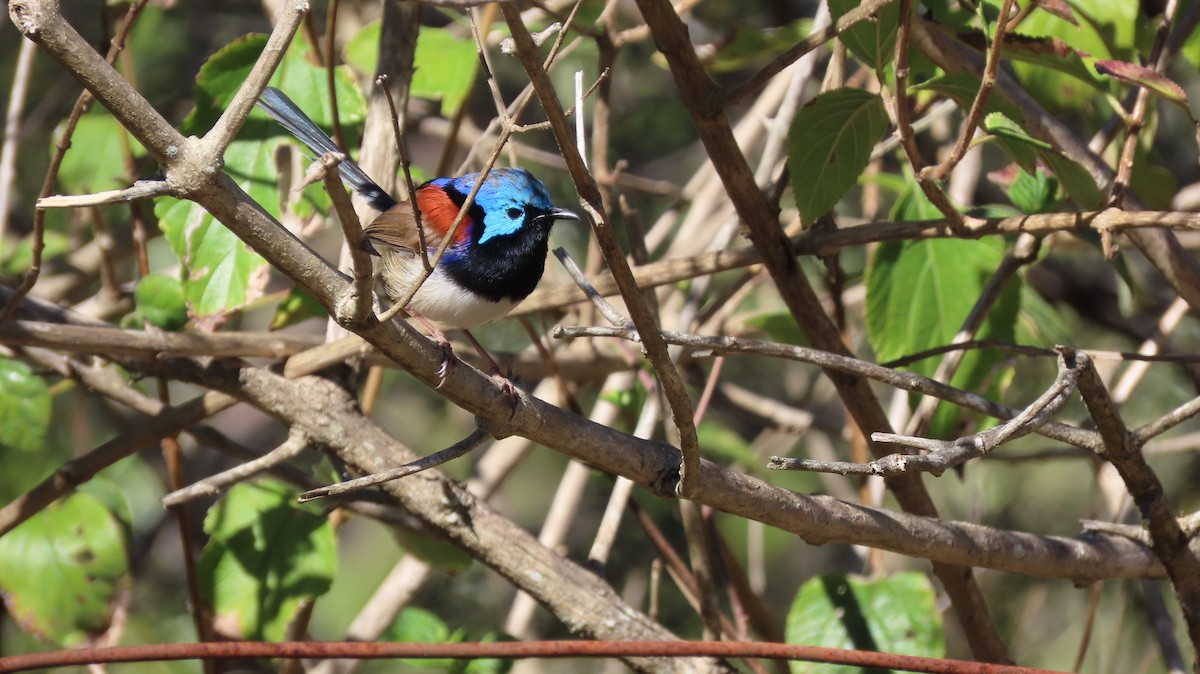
61	146
231	121
296	443
908	381
1167	538
142	189
472	441
359	306
945	454
601	304
592	202
979	105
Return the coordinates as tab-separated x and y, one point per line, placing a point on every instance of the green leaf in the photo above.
962	89
918	295
1155	185
1033	193
1059	76
265	555
1039	322
223	274
61	569
294	308
1003	120
1077	182
24	407
444	64
873	41
1018	144
160	302
20	257
829	145
95	162
416	625
896	615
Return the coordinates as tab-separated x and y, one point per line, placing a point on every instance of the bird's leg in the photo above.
495	371
439	337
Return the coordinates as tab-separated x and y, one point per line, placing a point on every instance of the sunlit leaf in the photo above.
444	63
416	625
266	554
61	569
918	295
221	273
1033	193
829	145
96	160
897	615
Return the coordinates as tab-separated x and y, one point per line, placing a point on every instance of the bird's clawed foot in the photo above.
448	359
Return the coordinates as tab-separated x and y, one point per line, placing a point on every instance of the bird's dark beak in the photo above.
562	214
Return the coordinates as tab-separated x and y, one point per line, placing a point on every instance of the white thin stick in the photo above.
579	137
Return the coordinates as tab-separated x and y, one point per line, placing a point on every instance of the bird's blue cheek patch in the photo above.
496	222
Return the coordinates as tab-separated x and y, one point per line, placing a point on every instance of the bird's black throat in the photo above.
506	267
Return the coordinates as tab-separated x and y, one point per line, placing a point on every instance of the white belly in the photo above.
440	300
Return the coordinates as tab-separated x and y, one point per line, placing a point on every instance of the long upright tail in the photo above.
291	117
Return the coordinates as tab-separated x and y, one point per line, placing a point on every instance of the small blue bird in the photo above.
499	251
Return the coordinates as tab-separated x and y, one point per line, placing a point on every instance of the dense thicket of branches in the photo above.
847	246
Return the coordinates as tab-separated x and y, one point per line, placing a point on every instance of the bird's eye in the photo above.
514	213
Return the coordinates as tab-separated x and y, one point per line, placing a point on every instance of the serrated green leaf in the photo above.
160	302
918	295
265	555
61	569
1147	78
962	89
872	41
416	625
896	615
24	407
444	63
222	273
829	145
1033	193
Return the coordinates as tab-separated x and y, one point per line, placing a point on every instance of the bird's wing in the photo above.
396	228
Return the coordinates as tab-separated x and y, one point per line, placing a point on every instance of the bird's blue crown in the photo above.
506	197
